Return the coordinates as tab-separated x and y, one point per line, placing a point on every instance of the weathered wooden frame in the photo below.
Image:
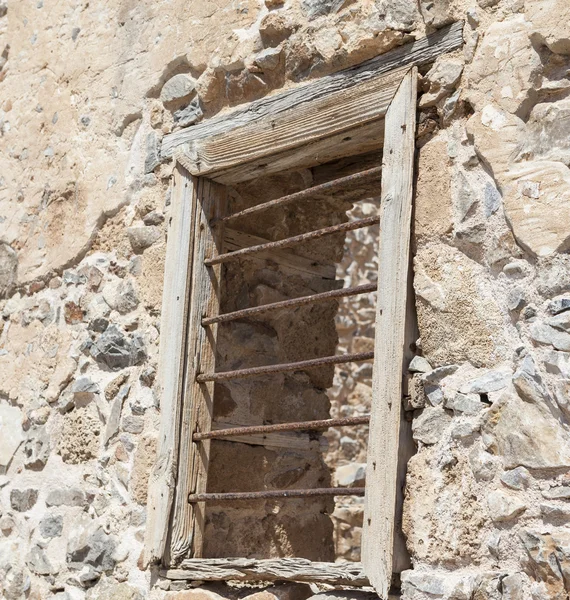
299	126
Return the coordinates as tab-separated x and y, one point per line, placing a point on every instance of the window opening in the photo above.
320	204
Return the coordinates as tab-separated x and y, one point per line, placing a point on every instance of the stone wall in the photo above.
87	89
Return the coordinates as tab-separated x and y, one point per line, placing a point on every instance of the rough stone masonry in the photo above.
88	89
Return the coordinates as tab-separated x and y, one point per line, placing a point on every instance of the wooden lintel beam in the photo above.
418	53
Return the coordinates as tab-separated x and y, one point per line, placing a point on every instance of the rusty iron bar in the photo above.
303	300
338	491
292	241
317	189
300	426
284	367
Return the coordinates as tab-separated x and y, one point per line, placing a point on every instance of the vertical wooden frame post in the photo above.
393	267
197	404
173	327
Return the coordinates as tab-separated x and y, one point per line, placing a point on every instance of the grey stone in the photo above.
430	425
133	424
466	404
142	237
268	59
557	363
23	500
436	14
400	16
466	199
557	493
428	583
118	351
545	334
152	159
528	383
559	305
419	364
434	394
88	576
550	510
318	8
560	321
38	562
449	106
464	431
8	269
528	312
98	325
516	479
115	415
84	391
92	548
516	300
154	217
491	381
177	88
190	114
513	587
440	373
136	265
548	557
147	377
494	544
37	448
492	200
121	295
51	526
67	497
504	506
71	277
514	270
11	432
482	465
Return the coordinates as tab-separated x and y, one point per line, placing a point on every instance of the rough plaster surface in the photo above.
87	91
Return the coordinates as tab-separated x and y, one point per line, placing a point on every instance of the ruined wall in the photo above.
87	91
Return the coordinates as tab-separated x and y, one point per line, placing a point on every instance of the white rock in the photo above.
121	295
545	334
516	479
491	381
430	425
11	432
557	493
419	364
561	321
178	87
482	465
351	474
504	507
467	404
525	434
550	24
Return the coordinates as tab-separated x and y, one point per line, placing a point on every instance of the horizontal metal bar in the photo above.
339	491
299	426
317	189
292	241
284	367
303	300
